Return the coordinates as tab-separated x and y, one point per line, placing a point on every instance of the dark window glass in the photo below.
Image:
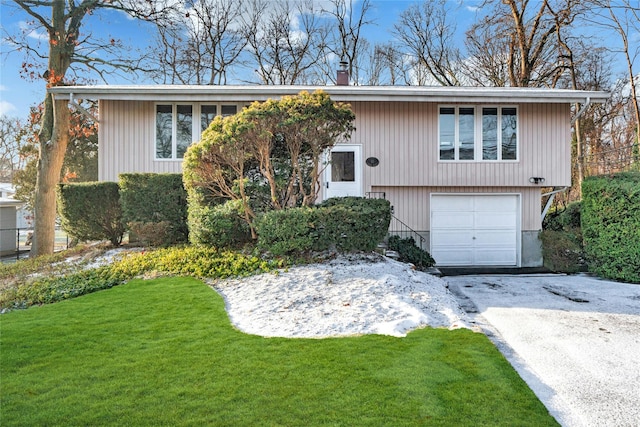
164	118
229	110
489	134
184	129
207	114
509	134
466	130
447	133
343	166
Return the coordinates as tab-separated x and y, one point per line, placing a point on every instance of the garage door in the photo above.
474	230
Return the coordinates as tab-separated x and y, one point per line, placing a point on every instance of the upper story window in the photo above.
179	125
478	133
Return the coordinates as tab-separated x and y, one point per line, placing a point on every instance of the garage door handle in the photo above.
474	237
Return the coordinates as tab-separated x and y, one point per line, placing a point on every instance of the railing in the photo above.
399	228
16	242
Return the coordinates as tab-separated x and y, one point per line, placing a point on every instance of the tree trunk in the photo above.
52	153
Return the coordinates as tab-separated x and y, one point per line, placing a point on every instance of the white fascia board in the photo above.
248	93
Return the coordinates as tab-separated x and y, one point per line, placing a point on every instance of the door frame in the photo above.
357	163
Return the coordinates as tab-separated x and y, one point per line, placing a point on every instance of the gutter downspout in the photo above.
80	108
582	110
552	195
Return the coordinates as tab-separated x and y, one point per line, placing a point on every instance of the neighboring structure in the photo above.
461	166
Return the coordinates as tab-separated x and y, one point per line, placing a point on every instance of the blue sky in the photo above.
18	94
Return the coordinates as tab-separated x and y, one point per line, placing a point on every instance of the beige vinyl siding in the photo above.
127	140
411	205
404	137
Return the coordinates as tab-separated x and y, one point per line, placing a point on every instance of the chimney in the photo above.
343	74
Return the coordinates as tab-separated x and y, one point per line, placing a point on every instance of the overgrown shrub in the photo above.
562	250
91	211
154	207
564	219
611	225
408	251
221	226
346	224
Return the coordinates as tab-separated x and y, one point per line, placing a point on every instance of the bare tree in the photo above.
62	21
426	35
346	42
200	43
518	37
11	141
623	19
284	40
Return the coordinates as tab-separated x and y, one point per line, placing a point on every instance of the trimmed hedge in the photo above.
221	225
346	224
154	207
611	225
91	211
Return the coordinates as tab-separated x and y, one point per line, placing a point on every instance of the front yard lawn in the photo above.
163	352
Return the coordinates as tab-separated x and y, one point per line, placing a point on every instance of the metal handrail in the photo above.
399	228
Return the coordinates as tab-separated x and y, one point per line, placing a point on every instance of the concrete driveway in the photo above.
574	339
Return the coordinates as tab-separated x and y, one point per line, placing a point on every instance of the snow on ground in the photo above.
343	297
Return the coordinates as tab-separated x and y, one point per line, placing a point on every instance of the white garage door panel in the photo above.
494	238
453	238
475	229
495	220
455	257
453	220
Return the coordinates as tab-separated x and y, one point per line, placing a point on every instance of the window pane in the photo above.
229	110
207	114
489	134
466	133
184	128
447	133
163	131
343	166
509	134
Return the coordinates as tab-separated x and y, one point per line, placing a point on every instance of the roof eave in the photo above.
338	93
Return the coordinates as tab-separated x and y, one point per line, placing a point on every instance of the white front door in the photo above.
343	172
475	230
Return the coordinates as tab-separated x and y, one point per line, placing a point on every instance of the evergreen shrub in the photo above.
154	207
91	211
220	226
611	225
410	252
346	224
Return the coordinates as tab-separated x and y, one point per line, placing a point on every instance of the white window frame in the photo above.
477	137
195	124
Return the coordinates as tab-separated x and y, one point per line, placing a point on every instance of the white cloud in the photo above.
6	107
33	33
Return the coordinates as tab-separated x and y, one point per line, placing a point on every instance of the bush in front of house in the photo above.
154	207
408	251
346	224
194	261
91	211
562	250
352	223
561	238
611	225
220	225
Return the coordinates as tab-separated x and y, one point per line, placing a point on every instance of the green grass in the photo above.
162	352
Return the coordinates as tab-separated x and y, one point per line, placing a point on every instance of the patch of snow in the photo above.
344	297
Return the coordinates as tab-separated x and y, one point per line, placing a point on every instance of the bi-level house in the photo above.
463	167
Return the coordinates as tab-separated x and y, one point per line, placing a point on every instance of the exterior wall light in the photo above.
536	180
